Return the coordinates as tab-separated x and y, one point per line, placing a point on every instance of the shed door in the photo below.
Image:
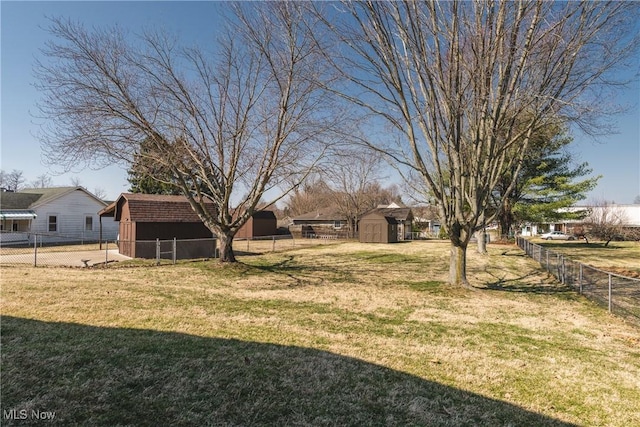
377	232
372	232
126	243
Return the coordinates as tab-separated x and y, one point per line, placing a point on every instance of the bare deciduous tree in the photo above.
42	181
12	181
246	121
312	195
353	176
100	193
453	79
605	221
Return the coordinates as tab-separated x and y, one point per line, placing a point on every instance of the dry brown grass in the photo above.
521	348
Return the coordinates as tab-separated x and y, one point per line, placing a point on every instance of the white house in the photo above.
58	214
628	214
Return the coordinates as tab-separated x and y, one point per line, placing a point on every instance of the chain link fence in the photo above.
620	294
56	250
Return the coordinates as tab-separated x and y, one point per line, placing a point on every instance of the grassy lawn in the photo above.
617	256
339	335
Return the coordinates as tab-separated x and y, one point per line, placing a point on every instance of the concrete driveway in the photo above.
69	259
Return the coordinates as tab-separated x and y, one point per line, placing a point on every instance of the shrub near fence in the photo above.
620	294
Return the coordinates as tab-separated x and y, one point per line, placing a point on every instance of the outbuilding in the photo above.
385	225
375	227
146	218
261	224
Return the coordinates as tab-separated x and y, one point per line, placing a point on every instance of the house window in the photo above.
15	226
337	224
53	223
88	223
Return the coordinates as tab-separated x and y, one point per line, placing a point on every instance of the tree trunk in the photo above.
226	247
481	236
458	265
505	219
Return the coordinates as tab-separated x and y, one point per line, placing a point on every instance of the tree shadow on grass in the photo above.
306	274
90	375
527	283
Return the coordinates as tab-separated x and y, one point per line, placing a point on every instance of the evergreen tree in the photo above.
548	181
148	177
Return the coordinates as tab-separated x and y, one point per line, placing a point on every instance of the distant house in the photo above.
630	215
426	221
57	214
386	225
321	222
404	218
145	218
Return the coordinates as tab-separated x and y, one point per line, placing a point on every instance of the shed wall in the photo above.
377	229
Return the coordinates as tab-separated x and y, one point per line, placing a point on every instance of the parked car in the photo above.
557	235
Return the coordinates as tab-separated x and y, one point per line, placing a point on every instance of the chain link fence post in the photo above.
174	251
610	279
580	280
35	250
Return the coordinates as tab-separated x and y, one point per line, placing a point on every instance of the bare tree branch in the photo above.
465	85
249	120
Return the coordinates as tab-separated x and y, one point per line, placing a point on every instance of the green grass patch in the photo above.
624	255
337	335
385	257
427	286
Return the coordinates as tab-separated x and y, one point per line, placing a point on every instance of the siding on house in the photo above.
320	222
63	213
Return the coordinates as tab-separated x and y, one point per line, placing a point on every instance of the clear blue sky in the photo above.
616	157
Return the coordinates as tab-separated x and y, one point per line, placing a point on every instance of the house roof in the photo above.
326	214
399	214
155	208
10	200
32	198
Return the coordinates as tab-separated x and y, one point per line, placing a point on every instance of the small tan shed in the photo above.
375	227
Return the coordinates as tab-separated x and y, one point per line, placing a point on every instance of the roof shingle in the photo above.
158	208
